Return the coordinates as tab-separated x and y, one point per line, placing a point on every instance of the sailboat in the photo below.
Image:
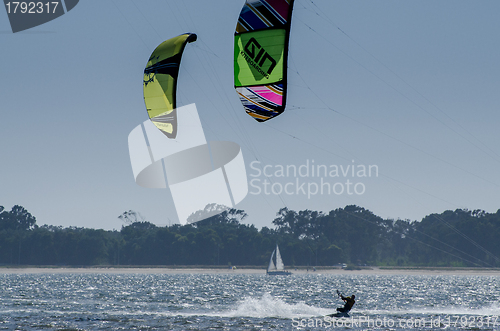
279	267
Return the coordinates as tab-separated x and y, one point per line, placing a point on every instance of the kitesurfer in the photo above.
349	302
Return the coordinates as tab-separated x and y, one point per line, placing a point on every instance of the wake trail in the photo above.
264	307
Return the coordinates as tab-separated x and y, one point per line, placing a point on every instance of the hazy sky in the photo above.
411	87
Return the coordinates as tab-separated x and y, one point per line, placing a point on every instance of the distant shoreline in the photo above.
246	270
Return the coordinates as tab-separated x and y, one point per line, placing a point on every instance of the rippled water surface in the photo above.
246	302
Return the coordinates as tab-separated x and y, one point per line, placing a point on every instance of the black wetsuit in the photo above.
349	302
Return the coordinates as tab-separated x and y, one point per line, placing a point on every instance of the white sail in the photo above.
271	263
279	267
279	261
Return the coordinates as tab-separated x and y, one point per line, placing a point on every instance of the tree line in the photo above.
352	235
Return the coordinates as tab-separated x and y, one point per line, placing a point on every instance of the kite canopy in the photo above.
260	56
160	83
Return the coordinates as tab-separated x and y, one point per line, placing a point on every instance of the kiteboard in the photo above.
339	314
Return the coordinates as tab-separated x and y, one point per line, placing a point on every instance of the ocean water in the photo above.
103	301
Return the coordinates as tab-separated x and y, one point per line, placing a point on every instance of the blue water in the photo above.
245	302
